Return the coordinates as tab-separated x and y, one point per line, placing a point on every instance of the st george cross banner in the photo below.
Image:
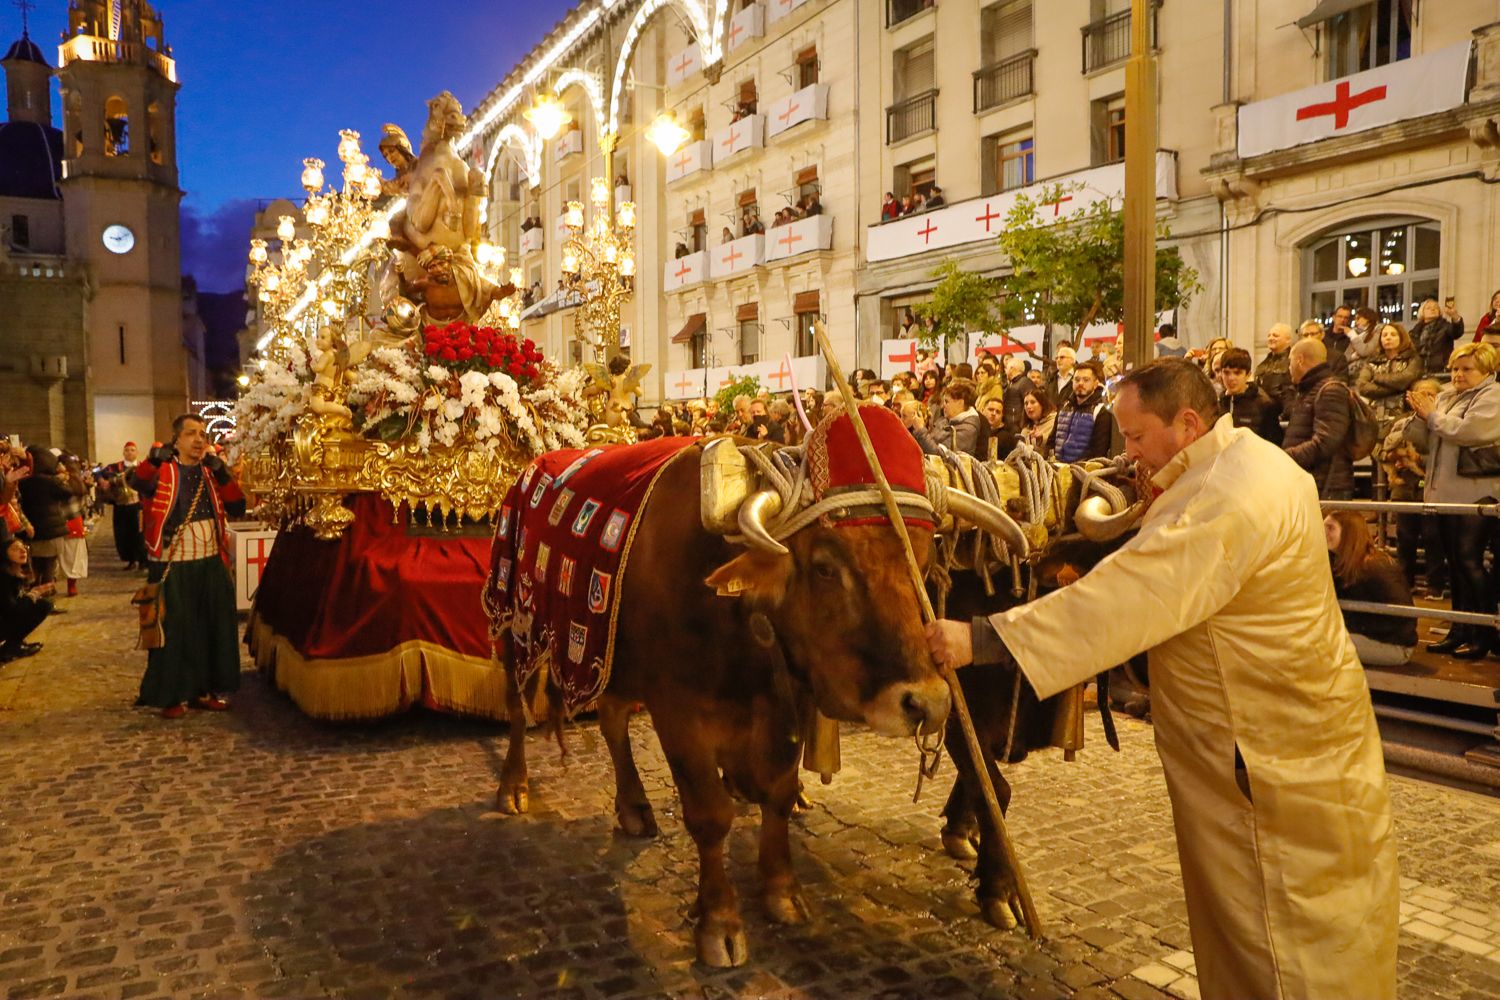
1408	88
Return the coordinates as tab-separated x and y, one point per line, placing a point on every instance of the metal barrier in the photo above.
1382	508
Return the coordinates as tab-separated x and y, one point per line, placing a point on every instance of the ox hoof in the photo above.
788	908
721	942
1002	913
513	799
636	820
801	803
961	845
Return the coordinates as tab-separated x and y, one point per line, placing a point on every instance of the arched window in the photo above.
154	132
1389	265
116	127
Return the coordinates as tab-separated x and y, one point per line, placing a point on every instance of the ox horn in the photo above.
757	509
987	516
1097	522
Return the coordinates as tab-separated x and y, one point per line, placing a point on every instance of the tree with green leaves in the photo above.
1072	273
1069	273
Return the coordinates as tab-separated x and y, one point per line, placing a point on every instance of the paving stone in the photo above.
260	854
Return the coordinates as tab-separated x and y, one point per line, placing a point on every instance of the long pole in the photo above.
1140	189
960	704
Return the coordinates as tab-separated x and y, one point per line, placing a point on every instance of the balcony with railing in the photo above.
532	240
747	133
910	117
568	144
87	48
1005	81
802	236
737	256
897	11
681	272
777	9
807	104
1107	40
748	24
690	159
684	64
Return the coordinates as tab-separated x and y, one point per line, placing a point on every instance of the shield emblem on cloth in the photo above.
520	628
523	590
543	555
526	479
578	636
585	515
565	577
614	531
503	529
578	463
598	591
541	487
502	574
560	507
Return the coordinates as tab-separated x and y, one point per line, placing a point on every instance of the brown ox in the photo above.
727	671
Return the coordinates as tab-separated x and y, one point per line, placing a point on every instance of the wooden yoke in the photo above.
893	512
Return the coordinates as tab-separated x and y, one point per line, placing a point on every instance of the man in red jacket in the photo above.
184	486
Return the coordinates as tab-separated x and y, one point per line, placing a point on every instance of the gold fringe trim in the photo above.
381	684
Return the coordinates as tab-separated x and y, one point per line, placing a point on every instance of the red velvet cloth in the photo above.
375	588
560	555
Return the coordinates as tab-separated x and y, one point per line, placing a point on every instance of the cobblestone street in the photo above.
260	854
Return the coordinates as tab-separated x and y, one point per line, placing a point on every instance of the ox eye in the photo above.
825	569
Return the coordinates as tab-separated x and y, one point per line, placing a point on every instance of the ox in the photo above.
729	671
1009	731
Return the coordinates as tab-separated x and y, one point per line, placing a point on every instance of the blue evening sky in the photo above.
266	84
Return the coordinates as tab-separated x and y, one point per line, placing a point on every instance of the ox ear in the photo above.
760	576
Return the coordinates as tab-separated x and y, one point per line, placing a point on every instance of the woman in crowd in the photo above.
73	551
1459	429
1405	469
1364	341
24	604
1488	330
932	381
1435	335
1384	379
1216	349
45	495
1038	416
1363	571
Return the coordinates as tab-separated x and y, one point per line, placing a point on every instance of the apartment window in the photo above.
897	11
1374	34
573	190
696	124
916	177
807	184
699	346
20	231
1106	38
1009	160
1390	265
748	318
748	100
120	331
807	67
806	308
749	218
698	223
1006	54
1107	117
915	87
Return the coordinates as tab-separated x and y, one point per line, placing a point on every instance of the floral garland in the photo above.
454	383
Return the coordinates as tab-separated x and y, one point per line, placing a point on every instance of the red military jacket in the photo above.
155	509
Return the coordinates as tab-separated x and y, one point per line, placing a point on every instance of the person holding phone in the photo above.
1435	333
24	603
185	486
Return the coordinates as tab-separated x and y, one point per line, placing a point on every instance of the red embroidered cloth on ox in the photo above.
559	558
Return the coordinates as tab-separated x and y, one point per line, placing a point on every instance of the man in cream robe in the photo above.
1262	715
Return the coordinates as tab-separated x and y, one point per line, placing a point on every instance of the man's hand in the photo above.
951	643
215	465
161	454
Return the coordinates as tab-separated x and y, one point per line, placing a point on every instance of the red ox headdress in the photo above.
837	464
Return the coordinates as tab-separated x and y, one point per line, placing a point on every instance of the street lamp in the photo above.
547	116
666	134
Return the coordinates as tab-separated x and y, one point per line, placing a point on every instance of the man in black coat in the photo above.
1321	422
1249	404
45	496
1274	373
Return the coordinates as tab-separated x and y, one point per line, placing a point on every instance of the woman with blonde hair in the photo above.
1363	571
1459	428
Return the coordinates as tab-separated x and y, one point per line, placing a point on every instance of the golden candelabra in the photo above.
598	265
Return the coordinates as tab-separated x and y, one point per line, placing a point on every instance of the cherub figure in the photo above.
619	384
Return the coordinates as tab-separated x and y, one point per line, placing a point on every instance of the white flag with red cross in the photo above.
1408	88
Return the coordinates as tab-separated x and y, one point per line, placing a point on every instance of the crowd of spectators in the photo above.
916	201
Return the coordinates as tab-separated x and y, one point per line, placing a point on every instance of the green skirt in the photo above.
201	654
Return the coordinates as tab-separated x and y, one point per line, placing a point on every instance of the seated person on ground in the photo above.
1363	571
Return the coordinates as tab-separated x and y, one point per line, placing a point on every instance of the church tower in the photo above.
121	203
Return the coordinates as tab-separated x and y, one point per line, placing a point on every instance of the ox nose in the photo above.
926	706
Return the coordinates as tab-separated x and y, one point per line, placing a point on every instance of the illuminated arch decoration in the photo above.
218	417
592	86
708	30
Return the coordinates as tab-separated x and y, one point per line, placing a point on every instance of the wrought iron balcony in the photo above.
1107	40
1004	81
910	117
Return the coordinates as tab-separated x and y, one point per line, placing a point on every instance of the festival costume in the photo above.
130	543
201	652
1262	719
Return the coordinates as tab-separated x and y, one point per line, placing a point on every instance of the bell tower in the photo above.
121	203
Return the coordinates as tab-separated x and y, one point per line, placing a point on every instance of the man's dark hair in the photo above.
1167	386
1237	358
961	388
963	370
1091	365
181	419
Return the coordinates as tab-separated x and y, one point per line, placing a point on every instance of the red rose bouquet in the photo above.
463	347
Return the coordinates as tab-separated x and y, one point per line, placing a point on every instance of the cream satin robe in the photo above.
1290	866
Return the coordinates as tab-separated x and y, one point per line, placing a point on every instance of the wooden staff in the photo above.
966	723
